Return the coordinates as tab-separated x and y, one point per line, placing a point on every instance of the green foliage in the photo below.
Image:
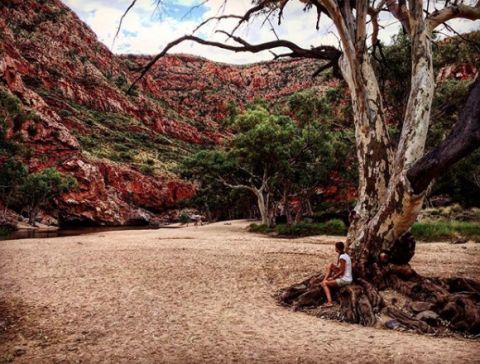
64	113
393	66
121	81
459	182
260	228
12	176
442	230
147	169
10	103
124	139
184	218
232	112
84	59
11	110
306	105
335	94
5	230
458	51
331	227
268	150
40	188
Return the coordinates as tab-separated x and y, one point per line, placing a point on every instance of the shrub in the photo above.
260	228
64	113
334	94
335	227
442	230
148	170
10	103
331	227
184	218
5	230
121	81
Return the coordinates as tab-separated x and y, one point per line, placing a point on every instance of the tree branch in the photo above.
455	11
132	4
400	12
218	18
323	52
462	140
237	186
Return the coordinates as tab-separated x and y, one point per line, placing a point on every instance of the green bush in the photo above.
260	228
331	227
10	103
335	227
184	218
443	230
121	81
64	113
148	170
5	230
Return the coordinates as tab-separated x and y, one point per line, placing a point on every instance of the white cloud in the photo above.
147	32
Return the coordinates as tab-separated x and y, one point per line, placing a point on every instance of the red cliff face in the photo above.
121	149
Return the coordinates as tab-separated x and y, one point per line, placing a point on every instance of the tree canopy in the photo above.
272	157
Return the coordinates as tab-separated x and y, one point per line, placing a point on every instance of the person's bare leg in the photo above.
328	271
326	287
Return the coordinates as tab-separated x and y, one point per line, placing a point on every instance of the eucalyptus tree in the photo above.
392	178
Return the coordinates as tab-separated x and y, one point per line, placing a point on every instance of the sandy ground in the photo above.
194	294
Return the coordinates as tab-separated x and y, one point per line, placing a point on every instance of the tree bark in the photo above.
400	207
263	207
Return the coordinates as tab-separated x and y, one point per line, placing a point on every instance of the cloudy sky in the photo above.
147	28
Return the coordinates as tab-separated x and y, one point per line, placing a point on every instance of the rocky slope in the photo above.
121	149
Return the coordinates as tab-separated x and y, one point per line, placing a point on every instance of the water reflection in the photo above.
31	234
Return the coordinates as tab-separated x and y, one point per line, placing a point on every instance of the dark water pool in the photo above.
29	234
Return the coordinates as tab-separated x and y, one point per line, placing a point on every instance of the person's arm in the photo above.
340	271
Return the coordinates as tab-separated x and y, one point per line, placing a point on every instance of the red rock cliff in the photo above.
120	148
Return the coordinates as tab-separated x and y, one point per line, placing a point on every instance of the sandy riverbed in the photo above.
194	294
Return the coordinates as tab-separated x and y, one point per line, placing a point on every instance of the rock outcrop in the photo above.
121	149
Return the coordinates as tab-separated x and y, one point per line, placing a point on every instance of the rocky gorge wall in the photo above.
121	149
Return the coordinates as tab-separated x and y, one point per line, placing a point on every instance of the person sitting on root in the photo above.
337	275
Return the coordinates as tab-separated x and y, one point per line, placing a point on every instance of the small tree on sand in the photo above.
12	176
393	180
41	188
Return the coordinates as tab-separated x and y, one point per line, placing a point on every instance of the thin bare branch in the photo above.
280	10
132	4
246	17
218	18
192	8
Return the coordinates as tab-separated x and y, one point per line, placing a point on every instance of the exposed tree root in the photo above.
434	304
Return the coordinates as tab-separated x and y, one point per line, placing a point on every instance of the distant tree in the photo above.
12	175
41	188
269	156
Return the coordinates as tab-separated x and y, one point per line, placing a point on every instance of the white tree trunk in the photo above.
399	207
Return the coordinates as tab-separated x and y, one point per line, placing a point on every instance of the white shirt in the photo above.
347	275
